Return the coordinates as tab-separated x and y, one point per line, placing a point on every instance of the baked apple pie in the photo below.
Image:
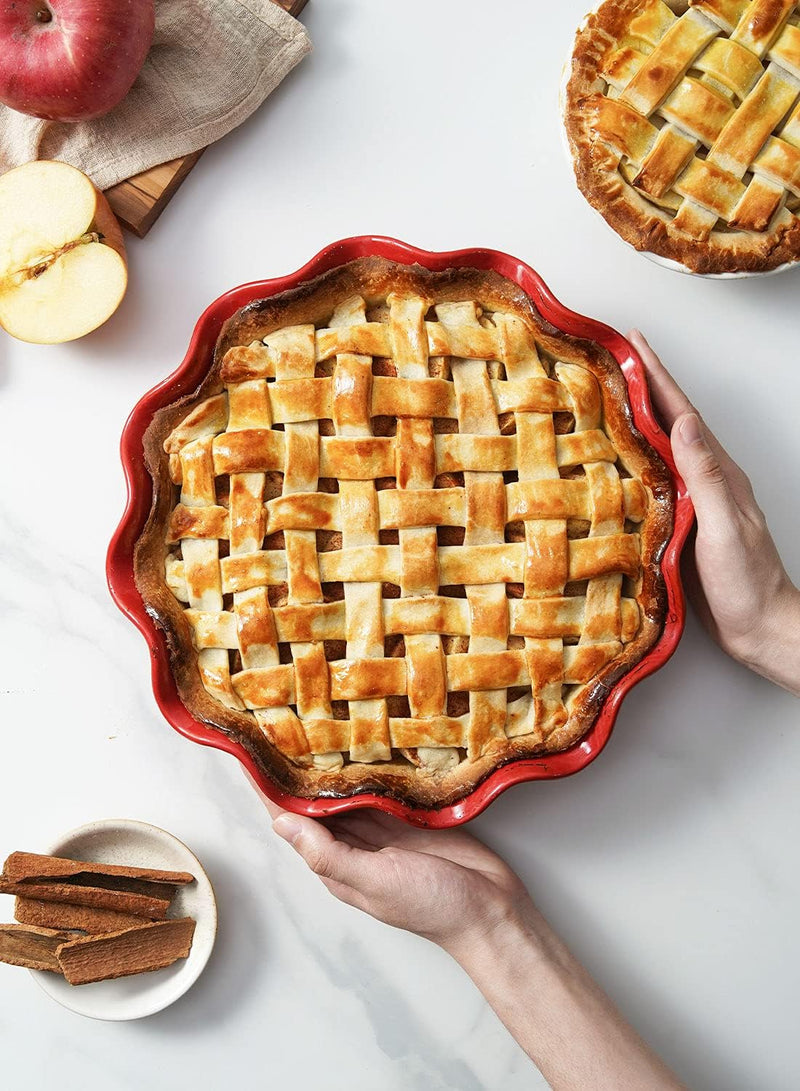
683	117
404	532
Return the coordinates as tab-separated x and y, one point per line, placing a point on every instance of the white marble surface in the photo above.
669	865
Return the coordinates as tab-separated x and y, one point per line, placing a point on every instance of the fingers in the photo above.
381	830
334	861
700	467
359	838
670	403
668	398
370	829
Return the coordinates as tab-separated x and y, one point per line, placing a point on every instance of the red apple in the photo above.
71	60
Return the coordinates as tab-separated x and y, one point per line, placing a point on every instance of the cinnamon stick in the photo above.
112	882
24	867
133	951
34	948
82	917
139	905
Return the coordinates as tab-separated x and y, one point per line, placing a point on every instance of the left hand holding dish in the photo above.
445	885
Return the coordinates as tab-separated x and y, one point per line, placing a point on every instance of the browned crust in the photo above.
314	301
634	218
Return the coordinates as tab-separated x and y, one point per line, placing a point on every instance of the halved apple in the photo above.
62	259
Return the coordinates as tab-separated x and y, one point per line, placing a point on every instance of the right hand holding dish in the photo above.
736	579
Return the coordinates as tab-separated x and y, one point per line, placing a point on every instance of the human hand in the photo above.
734	575
447	886
444	885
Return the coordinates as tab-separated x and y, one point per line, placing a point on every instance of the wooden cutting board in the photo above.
139	201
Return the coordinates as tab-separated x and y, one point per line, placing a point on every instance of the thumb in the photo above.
327	857
705	478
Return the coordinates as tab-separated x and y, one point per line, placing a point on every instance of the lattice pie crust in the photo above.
402	533
684	122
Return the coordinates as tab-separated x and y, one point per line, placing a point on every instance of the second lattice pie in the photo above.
683	119
404	532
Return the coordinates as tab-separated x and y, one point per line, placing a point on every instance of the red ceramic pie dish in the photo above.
186	378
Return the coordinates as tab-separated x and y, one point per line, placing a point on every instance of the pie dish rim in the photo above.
184	380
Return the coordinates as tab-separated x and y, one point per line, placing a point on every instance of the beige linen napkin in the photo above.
212	63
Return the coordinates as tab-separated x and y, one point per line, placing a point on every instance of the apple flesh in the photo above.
62	259
71	60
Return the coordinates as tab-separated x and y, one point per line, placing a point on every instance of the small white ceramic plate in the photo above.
123	841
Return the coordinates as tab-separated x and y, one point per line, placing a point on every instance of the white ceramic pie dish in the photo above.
667	263
125	841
